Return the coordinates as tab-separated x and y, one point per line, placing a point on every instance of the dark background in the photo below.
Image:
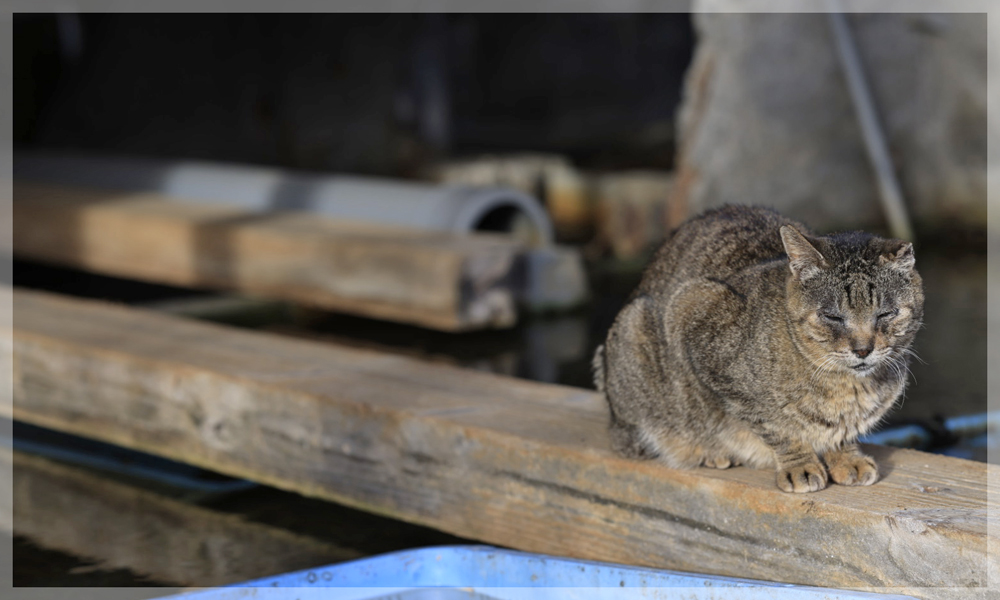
373	94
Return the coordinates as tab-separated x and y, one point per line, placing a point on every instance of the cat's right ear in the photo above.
898	255
804	260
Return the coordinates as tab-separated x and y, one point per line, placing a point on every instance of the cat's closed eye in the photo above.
832	318
888	314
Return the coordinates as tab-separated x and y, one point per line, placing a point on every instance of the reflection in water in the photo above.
36	566
161	539
76	526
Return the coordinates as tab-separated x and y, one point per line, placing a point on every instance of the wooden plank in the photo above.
502	460
124	527
634	212
437	280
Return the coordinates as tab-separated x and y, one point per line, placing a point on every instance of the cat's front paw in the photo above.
801	478
854	470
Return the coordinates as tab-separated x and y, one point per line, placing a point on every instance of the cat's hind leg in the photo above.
629	441
633	441
672	447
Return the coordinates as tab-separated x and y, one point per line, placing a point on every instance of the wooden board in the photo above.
634	212
501	460
437	280
124	527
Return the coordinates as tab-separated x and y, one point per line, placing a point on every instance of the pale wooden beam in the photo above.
487	457
433	279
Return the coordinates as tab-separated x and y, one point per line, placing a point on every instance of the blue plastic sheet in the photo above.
475	572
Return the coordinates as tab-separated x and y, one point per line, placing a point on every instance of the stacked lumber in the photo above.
433	279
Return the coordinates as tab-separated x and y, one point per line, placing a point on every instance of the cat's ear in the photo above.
804	259
898	255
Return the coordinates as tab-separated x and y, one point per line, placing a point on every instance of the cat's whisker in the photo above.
898	403
819	366
824	365
893	363
911	352
895	367
828	366
899	365
905	366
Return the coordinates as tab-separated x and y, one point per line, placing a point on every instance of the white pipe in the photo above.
864	106
413	204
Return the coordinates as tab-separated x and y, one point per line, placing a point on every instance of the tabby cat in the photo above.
752	341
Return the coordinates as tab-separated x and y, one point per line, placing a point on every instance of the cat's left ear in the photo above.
899	256
804	259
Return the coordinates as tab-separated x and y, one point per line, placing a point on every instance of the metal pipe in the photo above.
459	209
890	193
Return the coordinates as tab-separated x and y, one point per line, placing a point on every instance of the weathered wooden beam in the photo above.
502	460
437	280
124	527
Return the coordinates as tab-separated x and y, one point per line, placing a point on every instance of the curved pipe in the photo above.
413	204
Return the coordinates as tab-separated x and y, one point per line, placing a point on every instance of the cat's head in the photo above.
855	300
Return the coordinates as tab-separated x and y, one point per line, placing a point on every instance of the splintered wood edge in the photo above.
502	460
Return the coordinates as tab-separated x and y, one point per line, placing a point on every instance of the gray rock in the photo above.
767	118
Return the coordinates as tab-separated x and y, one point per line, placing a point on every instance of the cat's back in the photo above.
718	244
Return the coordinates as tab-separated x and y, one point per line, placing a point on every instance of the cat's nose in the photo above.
863	351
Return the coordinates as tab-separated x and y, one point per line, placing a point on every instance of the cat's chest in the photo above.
846	409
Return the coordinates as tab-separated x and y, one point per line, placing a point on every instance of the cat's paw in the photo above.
801	478
719	462
854	470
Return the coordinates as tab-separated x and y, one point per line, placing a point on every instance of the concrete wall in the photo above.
767	118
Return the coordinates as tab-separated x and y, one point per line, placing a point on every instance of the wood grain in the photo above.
437	280
502	460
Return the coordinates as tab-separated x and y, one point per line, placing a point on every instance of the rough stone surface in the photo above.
767	118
